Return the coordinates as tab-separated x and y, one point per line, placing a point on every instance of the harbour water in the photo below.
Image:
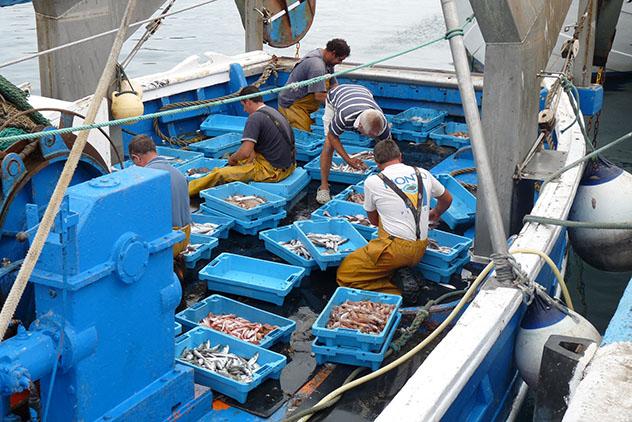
372	29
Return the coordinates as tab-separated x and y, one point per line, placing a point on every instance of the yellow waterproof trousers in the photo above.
371	267
180	246
257	170
298	114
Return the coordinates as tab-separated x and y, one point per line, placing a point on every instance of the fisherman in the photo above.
266	154
297	104
142	151
348	108
397	201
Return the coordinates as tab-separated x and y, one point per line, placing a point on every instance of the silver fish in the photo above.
191	248
346	168
203	228
329	241
223	363
246	202
432	244
297	247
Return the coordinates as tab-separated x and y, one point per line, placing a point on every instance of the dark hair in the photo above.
141	144
251	89
339	47
385	151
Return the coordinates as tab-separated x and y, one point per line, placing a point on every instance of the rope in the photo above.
469	186
14	95
64	179
626	225
293	85
94	37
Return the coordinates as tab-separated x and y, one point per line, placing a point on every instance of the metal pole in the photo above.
582	73
468	98
253	24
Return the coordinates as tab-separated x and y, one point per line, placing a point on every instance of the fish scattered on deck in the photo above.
355	219
218	359
191	248
365	316
297	247
203	228
460	135
246	201
198	172
329	241
238	327
346	168
358	198
432	244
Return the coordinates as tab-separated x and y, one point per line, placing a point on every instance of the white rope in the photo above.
64	179
102	34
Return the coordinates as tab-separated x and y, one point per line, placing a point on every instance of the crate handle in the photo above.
291	278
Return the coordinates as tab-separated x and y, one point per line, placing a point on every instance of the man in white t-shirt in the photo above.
402	211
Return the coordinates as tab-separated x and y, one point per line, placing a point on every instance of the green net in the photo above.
17	97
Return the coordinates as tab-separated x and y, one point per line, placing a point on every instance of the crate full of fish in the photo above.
357	318
200	167
211	225
353	193
353	213
253	227
284	243
347	138
351	355
177	157
329	241
219	124
251	277
225	364
451	134
199	247
462	211
289	187
444	249
242	201
418	119
219	146
443	274
244	322
340	172
364	154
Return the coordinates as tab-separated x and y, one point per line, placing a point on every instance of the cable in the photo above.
626	225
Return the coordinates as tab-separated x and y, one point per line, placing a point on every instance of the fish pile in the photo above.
460	135
191	248
329	241
363	155
346	168
218	359
198	171
246	201
419	119
358	198
238	327
203	228
364	316
297	247
354	219
432	244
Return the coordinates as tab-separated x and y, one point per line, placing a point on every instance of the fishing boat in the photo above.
467	372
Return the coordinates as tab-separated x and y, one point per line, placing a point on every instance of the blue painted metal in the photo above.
620	327
236	81
590	99
105	295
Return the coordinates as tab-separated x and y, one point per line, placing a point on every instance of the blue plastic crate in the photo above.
410	135
224	222
334	226
313	168
251	277
347	138
217	304
219	146
289	187
470	233
305	137
209	163
337	208
271	363
272	238
252	227
177	328
443	135
342	196
305	155
352	356
442	275
462	211
352	338
177	157
215	198
352	149
460	247
461	159
203	252
418	119
219	124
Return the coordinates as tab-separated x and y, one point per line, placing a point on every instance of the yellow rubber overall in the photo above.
180	246
257	170
298	113
372	266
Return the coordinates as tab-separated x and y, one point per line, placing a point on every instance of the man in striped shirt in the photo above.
348	108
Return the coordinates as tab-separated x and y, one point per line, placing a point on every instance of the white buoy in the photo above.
540	322
128	102
604	195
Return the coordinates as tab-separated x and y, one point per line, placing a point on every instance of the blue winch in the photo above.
105	294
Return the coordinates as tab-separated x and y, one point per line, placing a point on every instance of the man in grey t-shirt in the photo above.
266	154
297	104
